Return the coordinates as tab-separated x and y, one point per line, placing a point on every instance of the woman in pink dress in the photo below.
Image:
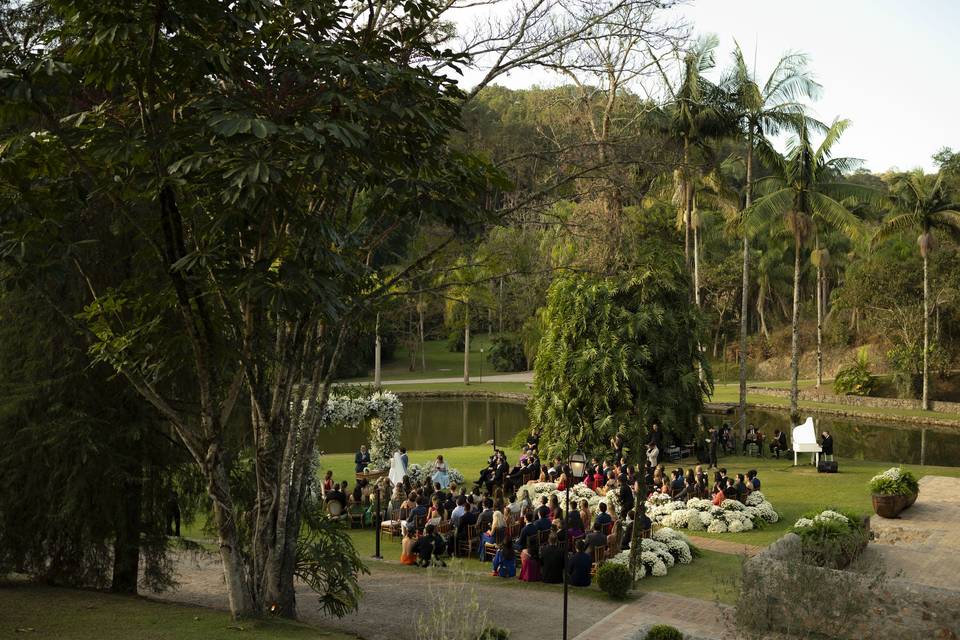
530	562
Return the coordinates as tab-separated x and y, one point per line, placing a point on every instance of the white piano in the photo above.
805	441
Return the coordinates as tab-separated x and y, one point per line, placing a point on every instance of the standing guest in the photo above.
653	453
598	477
603	517
407	554
495	533
551	561
504	563
752	480
626	496
533	440
656	436
362	459
779	443
328	482
712	443
826	443
579	565
530	562
440	476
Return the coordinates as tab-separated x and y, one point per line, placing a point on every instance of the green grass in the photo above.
42	612
455	387
441	362
713	576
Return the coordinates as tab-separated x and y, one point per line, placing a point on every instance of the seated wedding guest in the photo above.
435	512
424	547
393	508
338	495
690	488
543	475
529	529
458	511
742	489
543	508
586	516
504	563
497	529
752	480
543	523
575	524
677	485
596	538
579	565
419	511
522	504
530	562
555	510
625	495
498	500
562	482
730	491
719	484
702	481
603	517
468	518
485	517
598	478
407	554
551	561
779	443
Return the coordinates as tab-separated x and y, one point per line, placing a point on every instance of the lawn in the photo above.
42	612
441	362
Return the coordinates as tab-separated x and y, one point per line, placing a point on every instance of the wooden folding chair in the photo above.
599	557
490	548
394	527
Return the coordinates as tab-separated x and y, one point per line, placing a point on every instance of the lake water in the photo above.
438	423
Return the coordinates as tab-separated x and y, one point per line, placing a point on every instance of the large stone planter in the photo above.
890	506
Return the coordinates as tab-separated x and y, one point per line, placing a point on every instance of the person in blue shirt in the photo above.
603	517
579	565
505	562
529	529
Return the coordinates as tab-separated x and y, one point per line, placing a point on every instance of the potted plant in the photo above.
893	491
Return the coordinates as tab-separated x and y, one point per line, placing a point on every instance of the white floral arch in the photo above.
385	412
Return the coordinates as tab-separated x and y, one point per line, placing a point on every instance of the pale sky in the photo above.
891	66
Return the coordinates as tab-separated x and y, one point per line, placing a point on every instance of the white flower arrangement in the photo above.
698	514
385	412
578	492
662	550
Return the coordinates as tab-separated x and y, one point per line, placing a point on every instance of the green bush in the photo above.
455	341
832	538
855	379
663	632
614	579
494	633
894	481
506	354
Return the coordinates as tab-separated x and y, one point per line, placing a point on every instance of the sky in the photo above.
892	67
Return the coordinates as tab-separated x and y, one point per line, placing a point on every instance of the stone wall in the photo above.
858	401
782	595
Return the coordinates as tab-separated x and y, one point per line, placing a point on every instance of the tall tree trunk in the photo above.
376	354
819	318
126	546
696	264
795	335
500	306
685	201
423	344
466	344
745	296
925	401
239	594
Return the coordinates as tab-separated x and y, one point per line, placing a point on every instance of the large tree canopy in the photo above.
260	163
618	353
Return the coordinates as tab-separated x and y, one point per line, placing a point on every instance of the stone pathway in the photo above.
923	544
695	618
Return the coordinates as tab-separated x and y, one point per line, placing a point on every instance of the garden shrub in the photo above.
855	379
455	341
831	538
614	579
894	481
494	633
663	632
507	354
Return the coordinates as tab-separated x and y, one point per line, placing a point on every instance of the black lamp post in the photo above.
377	521
578	465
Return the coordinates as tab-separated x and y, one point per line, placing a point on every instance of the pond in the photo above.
438	423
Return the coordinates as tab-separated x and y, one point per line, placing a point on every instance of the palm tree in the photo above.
763	111
920	202
803	191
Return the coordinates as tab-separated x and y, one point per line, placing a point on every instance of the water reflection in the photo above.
438	423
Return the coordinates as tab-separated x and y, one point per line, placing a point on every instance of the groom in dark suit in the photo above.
362	459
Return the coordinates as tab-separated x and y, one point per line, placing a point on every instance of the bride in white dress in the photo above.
396	469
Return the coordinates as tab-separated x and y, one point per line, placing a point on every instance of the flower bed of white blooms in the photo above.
386	419
658	553
418	472
698	514
578	492
823	516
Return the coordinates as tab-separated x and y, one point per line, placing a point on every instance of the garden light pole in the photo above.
377	522
577	465
481	366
